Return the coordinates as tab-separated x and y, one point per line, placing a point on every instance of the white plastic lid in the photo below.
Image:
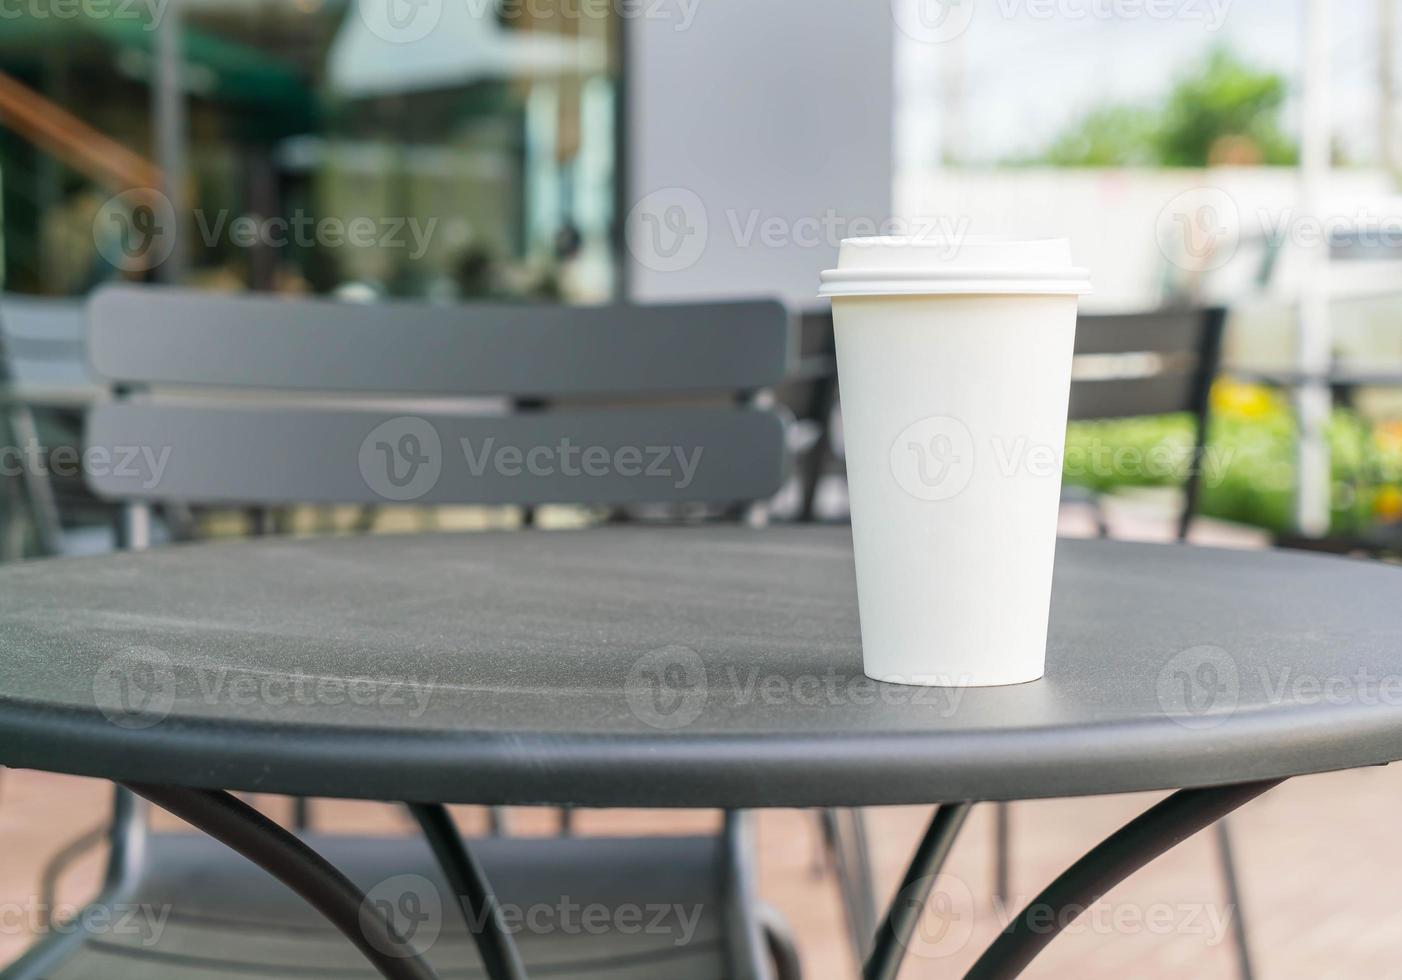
979	264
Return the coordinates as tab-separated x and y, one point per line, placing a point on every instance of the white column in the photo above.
1314	340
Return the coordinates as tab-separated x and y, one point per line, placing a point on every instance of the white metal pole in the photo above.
1314	341
170	114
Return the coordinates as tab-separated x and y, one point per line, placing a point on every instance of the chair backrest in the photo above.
43	343
268	400
1145	363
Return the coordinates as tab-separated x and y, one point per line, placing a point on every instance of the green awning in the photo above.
218	70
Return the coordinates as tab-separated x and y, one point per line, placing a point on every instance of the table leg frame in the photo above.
906	908
245	830
472	892
1144	838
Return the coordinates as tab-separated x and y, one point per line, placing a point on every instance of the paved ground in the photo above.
1319	859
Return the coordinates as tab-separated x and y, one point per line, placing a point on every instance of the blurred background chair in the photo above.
264	402
45	385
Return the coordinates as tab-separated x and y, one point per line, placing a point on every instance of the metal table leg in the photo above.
1149	835
909	903
472	891
297	866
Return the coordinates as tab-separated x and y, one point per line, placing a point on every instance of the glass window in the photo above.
447	149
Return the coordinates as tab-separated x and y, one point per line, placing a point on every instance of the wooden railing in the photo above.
64	136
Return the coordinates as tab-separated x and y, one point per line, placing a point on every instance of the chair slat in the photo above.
1167	332
41	318
1128	397
180	451
183	337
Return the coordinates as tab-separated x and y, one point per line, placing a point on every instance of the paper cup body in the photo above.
954	407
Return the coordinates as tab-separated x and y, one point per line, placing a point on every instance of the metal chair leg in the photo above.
58	864
850	859
1002	848
783	951
1231	886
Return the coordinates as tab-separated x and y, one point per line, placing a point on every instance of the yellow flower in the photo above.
1241	400
1388	503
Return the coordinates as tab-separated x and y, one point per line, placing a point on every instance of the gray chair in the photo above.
265	402
43	386
1138	364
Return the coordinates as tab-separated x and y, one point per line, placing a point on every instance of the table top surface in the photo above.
706	666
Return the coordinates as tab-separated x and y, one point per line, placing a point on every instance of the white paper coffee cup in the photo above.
954	361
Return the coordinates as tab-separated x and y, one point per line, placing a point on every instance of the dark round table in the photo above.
633	666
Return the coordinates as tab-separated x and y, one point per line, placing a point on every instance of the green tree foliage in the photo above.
1223	109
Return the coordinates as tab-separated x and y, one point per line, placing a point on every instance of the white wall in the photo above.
759	132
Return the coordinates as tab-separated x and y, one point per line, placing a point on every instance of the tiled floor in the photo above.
1319	859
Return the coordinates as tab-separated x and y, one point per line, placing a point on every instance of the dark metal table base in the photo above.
1149	835
242	828
475	898
281	854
